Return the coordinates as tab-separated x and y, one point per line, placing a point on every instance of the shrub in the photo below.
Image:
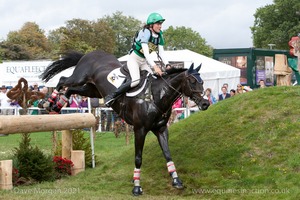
32	163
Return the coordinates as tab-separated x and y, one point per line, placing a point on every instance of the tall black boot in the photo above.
109	99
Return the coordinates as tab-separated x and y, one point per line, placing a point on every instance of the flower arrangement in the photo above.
63	166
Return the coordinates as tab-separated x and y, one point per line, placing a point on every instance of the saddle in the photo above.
119	75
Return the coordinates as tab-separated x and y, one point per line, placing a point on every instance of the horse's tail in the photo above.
68	60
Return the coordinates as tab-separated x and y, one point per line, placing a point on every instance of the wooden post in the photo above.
66	143
54	140
78	159
6	175
127	134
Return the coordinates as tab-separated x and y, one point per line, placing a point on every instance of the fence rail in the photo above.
106	116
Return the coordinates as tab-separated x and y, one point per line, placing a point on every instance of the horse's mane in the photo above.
175	70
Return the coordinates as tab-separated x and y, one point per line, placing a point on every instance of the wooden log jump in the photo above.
39	123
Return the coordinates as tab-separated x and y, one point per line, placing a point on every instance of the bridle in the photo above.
185	85
190	89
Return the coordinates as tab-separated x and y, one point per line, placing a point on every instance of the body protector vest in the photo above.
146	36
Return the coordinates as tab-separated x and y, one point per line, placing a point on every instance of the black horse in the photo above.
90	78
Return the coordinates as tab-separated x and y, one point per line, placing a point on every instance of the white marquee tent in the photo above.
213	72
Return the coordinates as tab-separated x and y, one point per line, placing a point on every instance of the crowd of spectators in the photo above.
55	102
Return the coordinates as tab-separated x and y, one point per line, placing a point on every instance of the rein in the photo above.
179	94
196	100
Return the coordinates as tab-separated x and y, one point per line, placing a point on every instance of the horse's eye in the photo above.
192	80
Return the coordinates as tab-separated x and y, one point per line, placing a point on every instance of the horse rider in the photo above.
147	40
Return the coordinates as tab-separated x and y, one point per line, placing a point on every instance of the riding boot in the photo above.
109	99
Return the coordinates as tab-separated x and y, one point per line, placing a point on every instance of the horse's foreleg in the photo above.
139	141
163	137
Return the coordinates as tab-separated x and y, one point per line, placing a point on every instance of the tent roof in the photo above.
211	69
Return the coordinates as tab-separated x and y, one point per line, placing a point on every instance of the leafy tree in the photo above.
12	51
55	38
186	38
276	24
103	36
124	29
29	42
82	35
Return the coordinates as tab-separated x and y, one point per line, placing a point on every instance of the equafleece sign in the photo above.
12	71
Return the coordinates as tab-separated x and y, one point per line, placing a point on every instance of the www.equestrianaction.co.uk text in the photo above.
239	191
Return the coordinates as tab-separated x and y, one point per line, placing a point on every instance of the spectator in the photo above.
208	95
240	89
6	108
262	83
34	111
176	114
225	85
224	94
35	87
190	105
232	92
74	101
84	103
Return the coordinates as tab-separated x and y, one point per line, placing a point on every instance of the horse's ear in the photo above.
191	68
198	68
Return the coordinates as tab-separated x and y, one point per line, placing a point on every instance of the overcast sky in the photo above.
222	23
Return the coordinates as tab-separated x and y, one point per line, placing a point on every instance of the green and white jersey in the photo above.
152	39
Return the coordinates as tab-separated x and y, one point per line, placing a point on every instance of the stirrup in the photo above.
109	100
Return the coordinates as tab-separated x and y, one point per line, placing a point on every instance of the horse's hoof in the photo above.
137	190
177	183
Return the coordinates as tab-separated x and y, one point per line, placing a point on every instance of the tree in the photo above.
276	24
186	38
82	35
11	51
55	38
124	29
29	42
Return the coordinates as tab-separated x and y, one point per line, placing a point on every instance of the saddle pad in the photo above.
116	78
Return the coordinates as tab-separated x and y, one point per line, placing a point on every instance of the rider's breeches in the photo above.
135	63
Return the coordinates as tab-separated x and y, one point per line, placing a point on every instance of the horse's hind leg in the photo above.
89	90
61	83
72	81
163	137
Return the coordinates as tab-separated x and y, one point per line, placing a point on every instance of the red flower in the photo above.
63	166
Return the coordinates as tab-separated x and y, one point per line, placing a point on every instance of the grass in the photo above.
245	147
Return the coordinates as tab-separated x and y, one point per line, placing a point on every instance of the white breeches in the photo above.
135	63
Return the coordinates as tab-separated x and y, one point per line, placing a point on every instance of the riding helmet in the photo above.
154	18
